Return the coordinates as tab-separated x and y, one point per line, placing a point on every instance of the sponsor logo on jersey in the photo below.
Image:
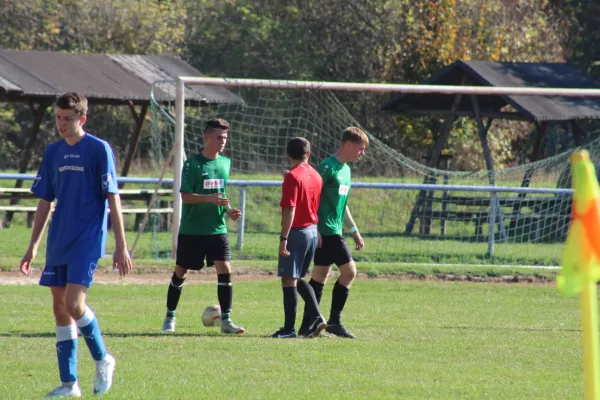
107	180
214	184
36	181
71	156
92	270
344	189
71	168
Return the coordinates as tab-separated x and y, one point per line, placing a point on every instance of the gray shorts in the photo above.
302	243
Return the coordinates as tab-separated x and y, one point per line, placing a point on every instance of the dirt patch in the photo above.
143	276
521	279
161	276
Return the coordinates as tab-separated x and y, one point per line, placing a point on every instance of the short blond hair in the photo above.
355	135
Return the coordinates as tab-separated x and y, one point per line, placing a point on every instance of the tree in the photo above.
101	26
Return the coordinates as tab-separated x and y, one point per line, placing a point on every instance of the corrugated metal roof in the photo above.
485	73
102	78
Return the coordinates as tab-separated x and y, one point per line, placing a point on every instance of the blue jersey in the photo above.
78	177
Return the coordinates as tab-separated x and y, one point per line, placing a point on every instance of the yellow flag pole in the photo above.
591	361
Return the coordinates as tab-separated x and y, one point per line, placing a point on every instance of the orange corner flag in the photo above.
580	270
581	255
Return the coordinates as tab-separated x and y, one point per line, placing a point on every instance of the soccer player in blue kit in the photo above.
78	172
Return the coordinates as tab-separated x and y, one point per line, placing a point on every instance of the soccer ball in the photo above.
211	316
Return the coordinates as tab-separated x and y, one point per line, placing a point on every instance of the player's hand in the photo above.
285	172
25	265
122	262
319	240
234	213
217	200
283	248
358	241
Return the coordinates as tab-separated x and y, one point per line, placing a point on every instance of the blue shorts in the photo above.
302	243
80	272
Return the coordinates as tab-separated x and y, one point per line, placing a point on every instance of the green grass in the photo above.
381	215
416	340
382	255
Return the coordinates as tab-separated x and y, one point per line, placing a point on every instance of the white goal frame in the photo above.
182	81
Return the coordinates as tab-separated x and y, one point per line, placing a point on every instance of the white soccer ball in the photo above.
211	316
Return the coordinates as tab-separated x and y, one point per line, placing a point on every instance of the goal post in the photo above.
178	159
185	84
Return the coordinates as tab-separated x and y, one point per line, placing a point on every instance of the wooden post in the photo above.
489	164
136	136
578	133
26	154
444	133
536	153
446	161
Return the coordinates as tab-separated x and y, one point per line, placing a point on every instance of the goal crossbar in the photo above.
182	81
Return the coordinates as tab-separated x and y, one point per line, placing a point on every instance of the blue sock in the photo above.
66	352
88	325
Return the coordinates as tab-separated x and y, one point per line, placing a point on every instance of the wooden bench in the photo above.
543	213
22	209
125	194
138	212
145	195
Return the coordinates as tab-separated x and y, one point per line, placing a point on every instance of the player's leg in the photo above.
341	289
288	269
220	254
290	306
319	274
79	280
173	296
190	255
307	244
225	296
66	333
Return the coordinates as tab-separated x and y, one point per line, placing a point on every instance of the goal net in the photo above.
420	224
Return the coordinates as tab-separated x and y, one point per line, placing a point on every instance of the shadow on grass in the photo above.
43	335
495	328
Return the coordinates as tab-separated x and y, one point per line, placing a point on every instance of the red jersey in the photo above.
302	189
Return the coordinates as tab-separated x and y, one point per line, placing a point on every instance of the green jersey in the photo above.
201	175
334	195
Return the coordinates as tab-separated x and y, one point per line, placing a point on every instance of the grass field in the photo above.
378	249
381	215
416	340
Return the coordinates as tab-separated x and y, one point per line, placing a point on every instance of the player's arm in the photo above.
42	215
106	166
289	194
121	257
42	187
287	217
349	217
358	240
194	198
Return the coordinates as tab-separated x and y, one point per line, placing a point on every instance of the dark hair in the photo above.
298	148
215	123
355	135
73	101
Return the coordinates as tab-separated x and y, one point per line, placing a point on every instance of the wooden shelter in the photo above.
37	78
541	111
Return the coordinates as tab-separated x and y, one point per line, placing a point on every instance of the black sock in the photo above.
290	304
318	289
338	300
173	294
308	295
225	294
